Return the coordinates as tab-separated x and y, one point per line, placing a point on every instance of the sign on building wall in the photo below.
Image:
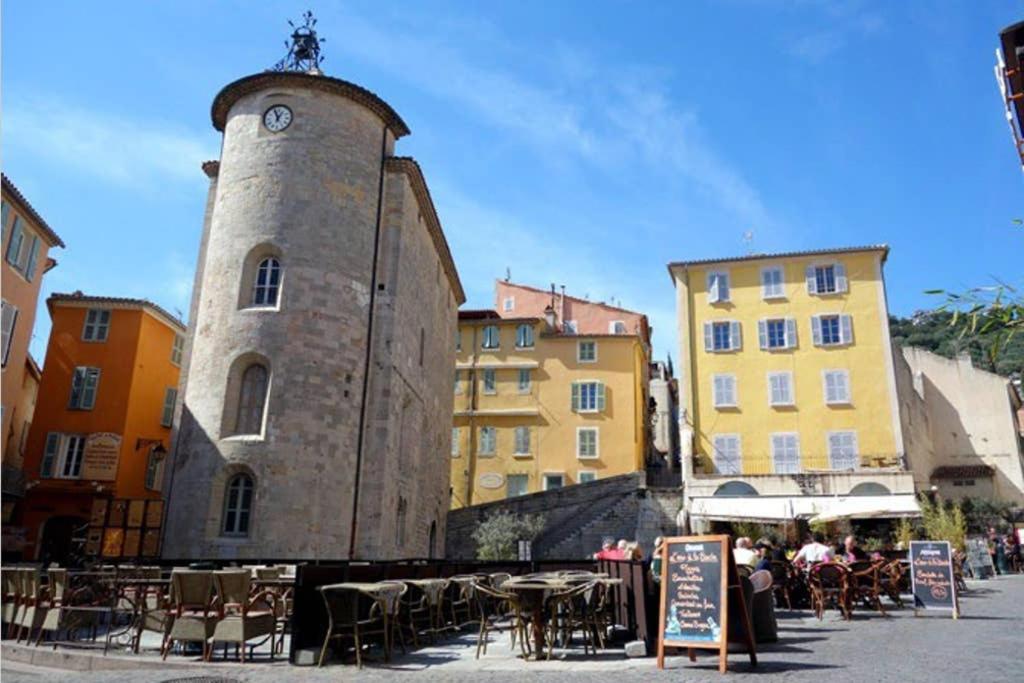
124	528
101	455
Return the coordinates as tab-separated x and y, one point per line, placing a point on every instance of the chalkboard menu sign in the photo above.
693	598
931	576
698	578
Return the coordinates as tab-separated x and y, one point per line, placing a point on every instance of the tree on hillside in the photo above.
940	332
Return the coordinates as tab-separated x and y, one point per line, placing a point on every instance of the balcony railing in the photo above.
807	464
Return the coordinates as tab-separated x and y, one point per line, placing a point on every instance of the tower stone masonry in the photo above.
316	400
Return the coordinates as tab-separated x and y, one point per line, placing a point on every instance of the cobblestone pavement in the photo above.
985	644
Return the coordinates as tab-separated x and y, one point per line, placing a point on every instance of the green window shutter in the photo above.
575	403
49	455
90	385
600	397
33	258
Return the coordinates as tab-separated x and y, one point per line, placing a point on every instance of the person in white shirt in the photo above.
814	551
743	553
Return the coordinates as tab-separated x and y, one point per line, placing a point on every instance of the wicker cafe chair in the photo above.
866	584
10	584
890	578
268	573
782	582
958	571
460	598
416	612
495	606
34	604
345	621
389	606
830	584
499	578
569	611
242	616
194	615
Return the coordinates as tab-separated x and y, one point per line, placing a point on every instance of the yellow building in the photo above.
787	369
537	409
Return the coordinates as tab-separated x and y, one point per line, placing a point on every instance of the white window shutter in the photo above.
713	290
723	286
790	333
762	334
575	401
816	330
812	281
735	342
600	397
708	337
846	325
717	393
840	271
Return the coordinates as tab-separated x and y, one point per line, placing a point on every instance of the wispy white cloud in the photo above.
132	153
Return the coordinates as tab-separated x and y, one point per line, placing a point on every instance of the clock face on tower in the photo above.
277	118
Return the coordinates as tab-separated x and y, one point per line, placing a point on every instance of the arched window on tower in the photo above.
237	505
267	282
252	400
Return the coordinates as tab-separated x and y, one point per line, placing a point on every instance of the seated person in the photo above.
743	553
814	551
763	550
851	551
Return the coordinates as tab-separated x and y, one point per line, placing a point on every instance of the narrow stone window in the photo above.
268	280
237	505
252	400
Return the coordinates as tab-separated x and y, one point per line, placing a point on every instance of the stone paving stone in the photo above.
983	645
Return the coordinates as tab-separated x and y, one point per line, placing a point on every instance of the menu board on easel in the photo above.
931	577
698	578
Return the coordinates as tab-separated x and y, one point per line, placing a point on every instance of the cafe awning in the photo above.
775	509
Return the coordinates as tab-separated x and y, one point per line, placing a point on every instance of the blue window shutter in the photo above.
812	281
14	244
33	257
600	397
841	282
846	327
790	333
49	455
735	340
762	334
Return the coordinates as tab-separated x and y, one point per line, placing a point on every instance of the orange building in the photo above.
95	454
27	240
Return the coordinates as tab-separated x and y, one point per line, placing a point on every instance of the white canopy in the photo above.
771	509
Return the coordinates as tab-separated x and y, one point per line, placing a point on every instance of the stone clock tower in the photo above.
316	413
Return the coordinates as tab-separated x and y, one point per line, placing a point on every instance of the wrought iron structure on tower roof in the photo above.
304	48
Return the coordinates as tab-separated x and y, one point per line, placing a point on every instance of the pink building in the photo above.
576	316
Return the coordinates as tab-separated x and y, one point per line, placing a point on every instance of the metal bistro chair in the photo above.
242	616
496	605
830	584
344	620
193	612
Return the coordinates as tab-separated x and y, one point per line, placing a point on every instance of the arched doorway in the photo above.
61	540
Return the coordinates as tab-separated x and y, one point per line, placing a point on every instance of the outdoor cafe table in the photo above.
532	593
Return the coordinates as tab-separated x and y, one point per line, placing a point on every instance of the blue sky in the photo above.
585	144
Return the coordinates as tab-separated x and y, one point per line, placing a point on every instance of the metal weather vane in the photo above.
304	48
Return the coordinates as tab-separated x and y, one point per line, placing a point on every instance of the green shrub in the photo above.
498	536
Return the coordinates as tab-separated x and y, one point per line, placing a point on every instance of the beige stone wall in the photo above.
310	193
956	414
